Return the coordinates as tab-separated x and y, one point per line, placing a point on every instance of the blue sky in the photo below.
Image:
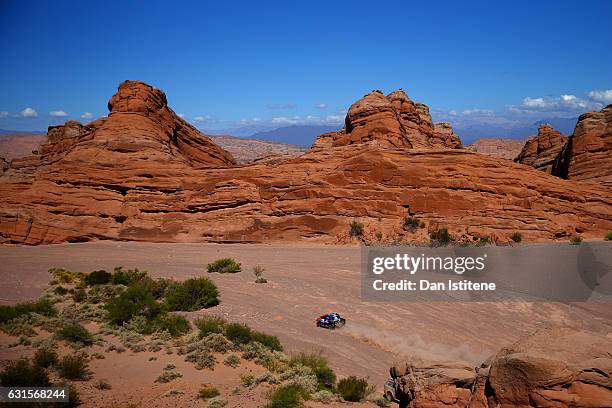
223	64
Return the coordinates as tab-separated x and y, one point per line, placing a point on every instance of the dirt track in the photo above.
305	281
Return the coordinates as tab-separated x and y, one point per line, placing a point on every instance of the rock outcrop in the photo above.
142	173
504	148
587	155
556	367
392	121
445	136
541	151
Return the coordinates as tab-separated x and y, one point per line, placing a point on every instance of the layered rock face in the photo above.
587	154
557	367
144	174
504	148
541	151
392	121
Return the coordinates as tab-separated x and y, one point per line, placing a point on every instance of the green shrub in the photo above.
75	333
192	294
122	277
576	240
232	360
440	236
45	358
379	235
167	376
60	290
210	324
157	287
287	396
312	360
608	236
23	373
411	224
73	367
354	389
516	237
247	379
326	378
74	399
42	307
64	276
268	340
355	229
97	278
137	300
79	295
174	324
207	392
324	396
238	333
486	240
224	265
217	402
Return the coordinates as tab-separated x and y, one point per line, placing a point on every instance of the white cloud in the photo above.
199	119
58	114
28	113
287	120
3	114
180	115
87	115
476	111
604	96
561	103
282	106
321	106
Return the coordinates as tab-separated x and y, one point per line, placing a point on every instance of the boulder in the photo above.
554	367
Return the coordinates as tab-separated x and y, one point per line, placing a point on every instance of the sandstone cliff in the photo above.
541	151
392	121
142	173
587	155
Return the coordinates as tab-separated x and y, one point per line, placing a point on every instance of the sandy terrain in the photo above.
304	281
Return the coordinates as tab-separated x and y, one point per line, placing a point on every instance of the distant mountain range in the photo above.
472	132
13	132
304	135
300	135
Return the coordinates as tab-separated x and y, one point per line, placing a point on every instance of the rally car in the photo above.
330	321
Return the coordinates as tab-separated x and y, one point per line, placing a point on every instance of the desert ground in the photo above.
304	281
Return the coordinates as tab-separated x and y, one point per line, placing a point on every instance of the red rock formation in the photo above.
588	153
391	121
144	174
504	148
541	151
445	136
553	368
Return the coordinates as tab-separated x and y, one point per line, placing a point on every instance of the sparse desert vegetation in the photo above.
440	237
132	312
516	237
354	389
224	265
355	229
258	272
576	240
